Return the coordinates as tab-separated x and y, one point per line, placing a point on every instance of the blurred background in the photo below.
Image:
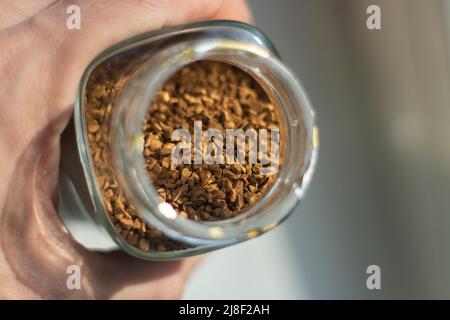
381	191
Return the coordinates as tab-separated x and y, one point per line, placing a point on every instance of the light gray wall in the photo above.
381	192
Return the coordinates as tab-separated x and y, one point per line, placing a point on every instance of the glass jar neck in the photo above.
297	136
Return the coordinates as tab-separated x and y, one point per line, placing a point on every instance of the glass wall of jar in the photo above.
102	166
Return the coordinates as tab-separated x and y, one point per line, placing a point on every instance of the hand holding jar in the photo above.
41	63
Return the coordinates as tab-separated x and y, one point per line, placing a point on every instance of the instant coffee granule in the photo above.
102	89
222	97
219	96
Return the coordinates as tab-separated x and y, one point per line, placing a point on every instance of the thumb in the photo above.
105	22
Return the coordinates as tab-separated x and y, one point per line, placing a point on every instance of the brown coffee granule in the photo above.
102	88
222	97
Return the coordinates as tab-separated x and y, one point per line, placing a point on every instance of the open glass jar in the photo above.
131	73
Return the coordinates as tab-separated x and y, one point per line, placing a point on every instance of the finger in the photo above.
234	10
105	22
142	279
13	12
188	268
173	287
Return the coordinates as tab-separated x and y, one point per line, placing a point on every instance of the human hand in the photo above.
41	62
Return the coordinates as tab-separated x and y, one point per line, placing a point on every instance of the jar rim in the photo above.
293	178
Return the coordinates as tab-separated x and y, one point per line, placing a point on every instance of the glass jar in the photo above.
141	65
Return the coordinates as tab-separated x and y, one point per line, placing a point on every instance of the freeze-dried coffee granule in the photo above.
222	97
102	88
219	94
